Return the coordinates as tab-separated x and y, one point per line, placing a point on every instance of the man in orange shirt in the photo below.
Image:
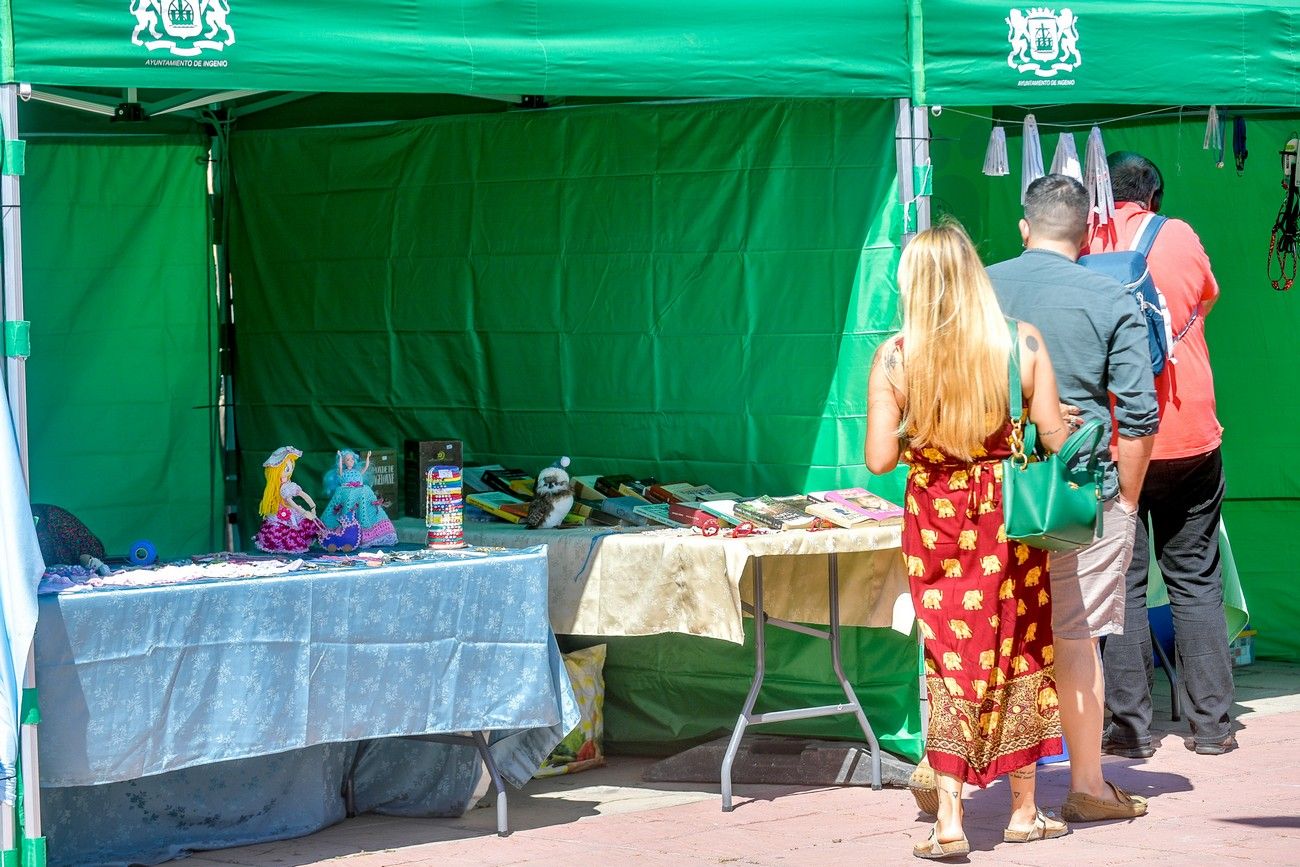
1182	494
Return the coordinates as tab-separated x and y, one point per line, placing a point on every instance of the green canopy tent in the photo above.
805	175
272	69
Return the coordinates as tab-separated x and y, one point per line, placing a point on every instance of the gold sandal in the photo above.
933	850
1045	827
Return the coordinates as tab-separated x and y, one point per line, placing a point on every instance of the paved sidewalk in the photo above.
1236	808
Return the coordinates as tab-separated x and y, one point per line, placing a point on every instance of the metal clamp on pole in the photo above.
18	339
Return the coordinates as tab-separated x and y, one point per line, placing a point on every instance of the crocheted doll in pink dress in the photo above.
287	526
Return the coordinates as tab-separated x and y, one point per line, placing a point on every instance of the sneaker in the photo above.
1213	748
1128	751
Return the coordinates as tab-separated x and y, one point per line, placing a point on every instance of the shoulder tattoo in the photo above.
1032	342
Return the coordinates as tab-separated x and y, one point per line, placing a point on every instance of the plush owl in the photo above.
552	497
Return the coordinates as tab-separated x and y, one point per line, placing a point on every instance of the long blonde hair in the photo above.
271	498
955	344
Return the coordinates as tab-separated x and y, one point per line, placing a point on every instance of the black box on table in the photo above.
419	455
383	469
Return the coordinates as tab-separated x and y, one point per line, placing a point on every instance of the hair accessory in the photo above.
562	463
277	457
995	156
1213	136
1096	177
1066	159
1239	152
143	553
1031	162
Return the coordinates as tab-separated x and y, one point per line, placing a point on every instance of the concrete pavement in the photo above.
1236	808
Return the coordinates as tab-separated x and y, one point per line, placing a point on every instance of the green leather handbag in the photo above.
1047	503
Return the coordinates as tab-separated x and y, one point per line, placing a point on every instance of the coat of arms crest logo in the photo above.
186	28
1042	41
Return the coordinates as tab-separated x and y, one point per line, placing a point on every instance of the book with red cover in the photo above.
684	513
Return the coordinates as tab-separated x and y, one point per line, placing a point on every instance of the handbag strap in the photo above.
1090	431
1020	448
1016	397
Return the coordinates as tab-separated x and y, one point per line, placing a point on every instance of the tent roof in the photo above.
503	48
486	54
1194	52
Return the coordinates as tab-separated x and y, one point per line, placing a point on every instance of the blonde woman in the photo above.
938	399
287	526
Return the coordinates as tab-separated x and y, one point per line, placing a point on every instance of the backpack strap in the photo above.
1142	243
1146	233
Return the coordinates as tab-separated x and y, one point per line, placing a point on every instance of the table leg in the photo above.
477	740
748	717
760	665
349	782
503	823
833	570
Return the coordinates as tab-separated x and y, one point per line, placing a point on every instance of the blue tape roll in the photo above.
143	553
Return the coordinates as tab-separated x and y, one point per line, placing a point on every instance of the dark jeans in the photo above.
1182	498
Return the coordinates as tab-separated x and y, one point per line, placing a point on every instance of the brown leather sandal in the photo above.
1045	827
1080	807
933	850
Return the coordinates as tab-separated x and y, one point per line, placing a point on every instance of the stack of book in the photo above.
852	507
498	505
515	482
777	513
508	507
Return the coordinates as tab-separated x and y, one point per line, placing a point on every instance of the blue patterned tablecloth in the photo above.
221	713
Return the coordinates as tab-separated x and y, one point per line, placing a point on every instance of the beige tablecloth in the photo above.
606	581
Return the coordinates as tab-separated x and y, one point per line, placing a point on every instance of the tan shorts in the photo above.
1088	585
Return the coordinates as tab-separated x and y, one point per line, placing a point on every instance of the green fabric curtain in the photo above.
493	47
665	693
117	274
1251	331
691	290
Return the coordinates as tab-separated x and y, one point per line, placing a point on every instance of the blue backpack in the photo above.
1129	267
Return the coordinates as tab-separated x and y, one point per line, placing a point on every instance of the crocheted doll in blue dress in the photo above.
351	498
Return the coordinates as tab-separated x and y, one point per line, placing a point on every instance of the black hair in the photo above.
1056	208
1134	178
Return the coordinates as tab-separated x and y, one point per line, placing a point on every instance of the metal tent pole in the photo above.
32	852
11	218
915	175
912	153
33	846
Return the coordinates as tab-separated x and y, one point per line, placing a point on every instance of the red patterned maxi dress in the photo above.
983	606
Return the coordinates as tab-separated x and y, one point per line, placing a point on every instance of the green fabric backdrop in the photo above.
1251	332
121	382
691	290
665	693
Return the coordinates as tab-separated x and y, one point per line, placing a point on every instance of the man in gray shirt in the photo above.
1098	342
